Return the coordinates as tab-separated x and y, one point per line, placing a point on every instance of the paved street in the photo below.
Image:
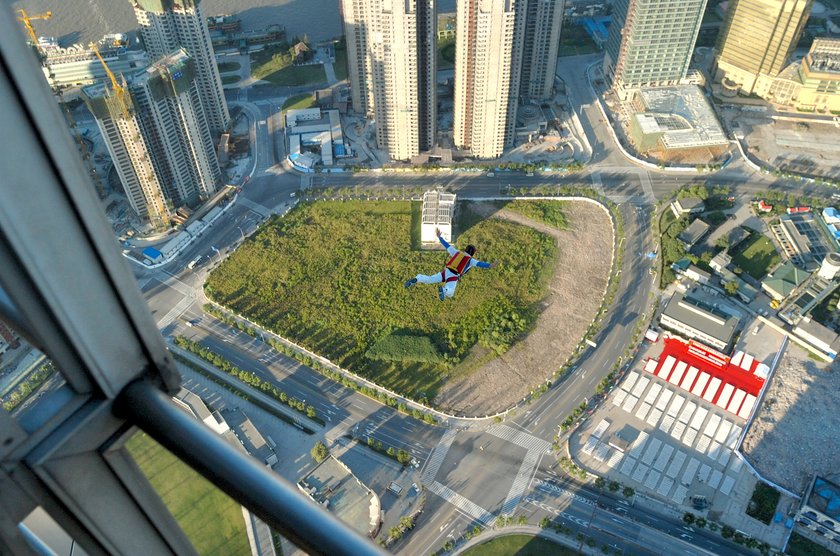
473	473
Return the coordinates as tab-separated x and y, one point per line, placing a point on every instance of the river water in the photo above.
83	21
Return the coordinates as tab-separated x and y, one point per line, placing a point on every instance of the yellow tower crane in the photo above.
27	19
119	90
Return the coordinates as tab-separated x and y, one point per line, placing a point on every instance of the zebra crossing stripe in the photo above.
523	477
522	439
437	457
470	508
179	308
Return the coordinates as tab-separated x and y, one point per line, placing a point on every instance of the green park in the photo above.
330	276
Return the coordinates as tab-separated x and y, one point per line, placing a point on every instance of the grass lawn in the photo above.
763	503
229	66
800	546
446	53
757	256
211	520
520	545
574	41
330	276
303	100
230	79
340	65
298	75
274	64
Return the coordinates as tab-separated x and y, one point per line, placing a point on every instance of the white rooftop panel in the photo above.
614	458
630	381
665	486
723	458
690	471
652	393
699	417
725	395
709	395
714	450
687	412
652	479
663	457
666	367
590	445
676	464
667	423
602	426
703	443
650	365
629	404
663	400
627	466
676	405
735	402
679	371
640	386
638	445
653	417
651	451
746	407
736	359
747	362
679	494
639	472
704	472
712	425
723	430
602	452
678	430
618	396
641	414
714	478
689	378
728	483
732	437
689	437
701	383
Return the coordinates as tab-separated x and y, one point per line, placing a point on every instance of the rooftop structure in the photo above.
315	136
819	336
687	205
438	213
695	231
733	384
810	294
677	117
697	319
830	267
720	261
78	64
818	519
783	281
332	485
801	238
812	84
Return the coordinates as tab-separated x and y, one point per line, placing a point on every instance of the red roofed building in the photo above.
798	210
764	207
733	384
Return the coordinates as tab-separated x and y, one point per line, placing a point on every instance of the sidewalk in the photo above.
528	530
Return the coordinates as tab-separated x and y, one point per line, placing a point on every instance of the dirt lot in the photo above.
810	149
794	434
574	296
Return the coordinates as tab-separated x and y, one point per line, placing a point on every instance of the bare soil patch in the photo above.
794	434
575	294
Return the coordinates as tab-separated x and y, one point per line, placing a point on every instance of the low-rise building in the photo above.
314	136
818	519
687	205
698	320
783	281
697	274
812	84
819	336
801	237
438	211
720	261
694	233
764	207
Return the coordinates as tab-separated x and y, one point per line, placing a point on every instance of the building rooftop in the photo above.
332	485
701	316
689	203
818	331
683	115
825	497
824	55
437	207
785	279
694	232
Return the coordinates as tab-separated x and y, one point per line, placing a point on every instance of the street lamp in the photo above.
241	232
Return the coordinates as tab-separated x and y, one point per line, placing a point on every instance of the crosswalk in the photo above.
437	457
175	312
470	508
521	439
523	477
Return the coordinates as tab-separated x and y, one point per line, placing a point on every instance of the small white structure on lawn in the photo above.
438	212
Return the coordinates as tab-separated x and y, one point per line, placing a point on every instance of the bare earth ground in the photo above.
785	145
794	434
575	293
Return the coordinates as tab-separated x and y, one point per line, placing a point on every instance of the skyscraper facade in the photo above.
757	39
166	26
541	44
119	125
158	137
392	53
488	58
650	42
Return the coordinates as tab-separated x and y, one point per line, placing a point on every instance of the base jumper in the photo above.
459	263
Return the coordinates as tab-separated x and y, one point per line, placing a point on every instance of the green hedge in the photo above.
399	347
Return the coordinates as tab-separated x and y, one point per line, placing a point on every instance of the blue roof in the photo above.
152	253
825	497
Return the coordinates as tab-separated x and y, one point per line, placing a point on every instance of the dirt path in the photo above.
575	293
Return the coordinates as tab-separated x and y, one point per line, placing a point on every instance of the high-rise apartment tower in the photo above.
540	48
161	143
757	39
650	42
392	59
488	58
166	26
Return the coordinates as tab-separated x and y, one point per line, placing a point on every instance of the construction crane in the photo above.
119	90
27	22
